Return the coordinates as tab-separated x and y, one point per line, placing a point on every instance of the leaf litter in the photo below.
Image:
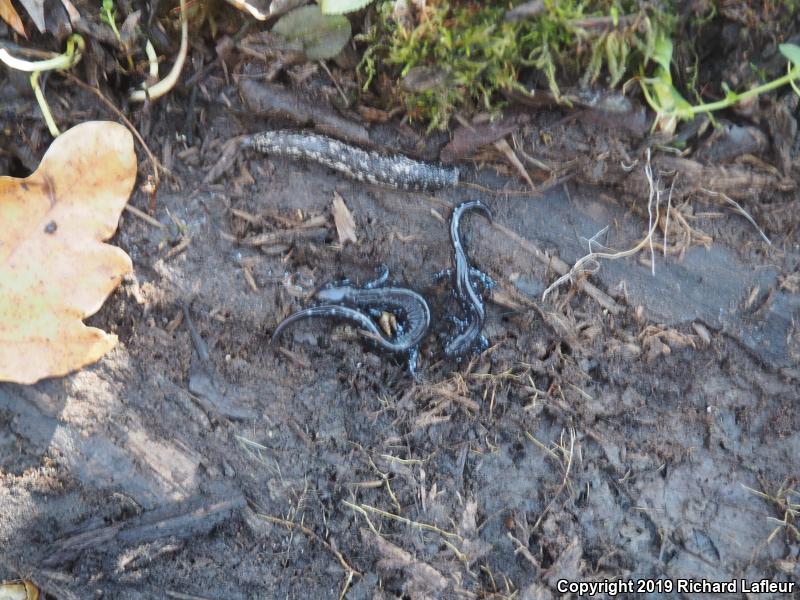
54	268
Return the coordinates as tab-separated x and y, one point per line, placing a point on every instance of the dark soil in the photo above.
655	437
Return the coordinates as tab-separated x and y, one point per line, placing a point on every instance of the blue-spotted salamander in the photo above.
362	305
470	284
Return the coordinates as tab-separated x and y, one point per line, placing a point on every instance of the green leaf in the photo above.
662	53
339	7
322	36
792	52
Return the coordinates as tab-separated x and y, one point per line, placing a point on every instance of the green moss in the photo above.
478	54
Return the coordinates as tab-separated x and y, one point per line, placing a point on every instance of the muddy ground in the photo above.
650	431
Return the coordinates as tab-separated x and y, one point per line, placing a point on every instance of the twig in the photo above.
582	264
199	344
292	526
523	549
182	596
563	482
562	268
178	248
655	191
740	210
144	216
249	9
336	83
401	461
426	526
544	448
157	166
503	146
669	208
364	514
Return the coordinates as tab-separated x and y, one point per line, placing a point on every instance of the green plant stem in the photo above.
43	106
108	17
71	56
165	85
73	53
736	98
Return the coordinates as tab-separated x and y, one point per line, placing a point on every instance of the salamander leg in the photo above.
458	323
444	273
413	357
381	279
478	277
339	283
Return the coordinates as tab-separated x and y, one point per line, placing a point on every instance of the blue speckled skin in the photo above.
371	167
468	329
355	304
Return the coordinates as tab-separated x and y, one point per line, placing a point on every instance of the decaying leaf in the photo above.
322	36
10	15
343	218
339	7
19	590
35	10
54	268
279	7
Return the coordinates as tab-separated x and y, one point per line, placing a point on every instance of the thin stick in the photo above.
144	216
654	192
669	208
336	83
182	596
591	258
523	549
563	483
180	247
562	268
405	520
157	166
740	210
292	526
503	146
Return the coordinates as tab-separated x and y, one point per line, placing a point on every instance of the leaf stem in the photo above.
734	98
43	106
62	61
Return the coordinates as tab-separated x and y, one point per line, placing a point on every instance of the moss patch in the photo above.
470	52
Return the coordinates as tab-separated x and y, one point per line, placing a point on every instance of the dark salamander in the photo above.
467	282
361	305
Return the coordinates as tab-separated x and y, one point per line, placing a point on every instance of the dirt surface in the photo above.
651	435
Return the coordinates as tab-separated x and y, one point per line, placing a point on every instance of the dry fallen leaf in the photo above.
9	14
54	268
18	590
345	225
35	10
